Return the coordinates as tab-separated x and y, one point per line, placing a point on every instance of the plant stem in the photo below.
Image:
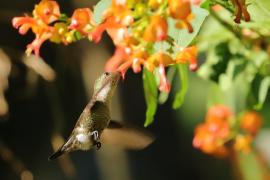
235	165
224	4
262	163
226	24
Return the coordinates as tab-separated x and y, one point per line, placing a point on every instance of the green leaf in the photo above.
157	76
238	66
183	76
205	4
77	35
216	63
223	55
260	9
99	8
214	95
150	93
235	67
181	36
163	96
63	17
263	91
212	36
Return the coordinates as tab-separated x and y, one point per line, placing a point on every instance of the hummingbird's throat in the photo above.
105	93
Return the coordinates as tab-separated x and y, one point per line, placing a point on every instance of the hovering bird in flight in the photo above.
95	126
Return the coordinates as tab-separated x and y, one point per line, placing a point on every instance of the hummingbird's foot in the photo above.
98	145
96	139
95	135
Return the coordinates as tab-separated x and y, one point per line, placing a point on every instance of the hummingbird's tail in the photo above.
62	150
58	153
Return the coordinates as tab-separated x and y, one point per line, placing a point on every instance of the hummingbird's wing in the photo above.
126	136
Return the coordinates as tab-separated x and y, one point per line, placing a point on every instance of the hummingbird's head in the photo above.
105	85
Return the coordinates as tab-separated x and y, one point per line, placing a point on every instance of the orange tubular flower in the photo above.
109	23
218	129
156	59
218	113
124	56
117	61
121	12
160	60
116	20
45	12
118	35
242	143
188	54
82	20
38	41
154	4
181	10
23	23
212	135
251	122
138	58
164	83
157	29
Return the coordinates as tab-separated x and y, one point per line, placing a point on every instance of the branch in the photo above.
226	24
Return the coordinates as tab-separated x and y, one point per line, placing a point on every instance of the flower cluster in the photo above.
45	13
48	23
222	131
133	25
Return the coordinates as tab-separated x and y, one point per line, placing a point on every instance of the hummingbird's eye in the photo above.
107	74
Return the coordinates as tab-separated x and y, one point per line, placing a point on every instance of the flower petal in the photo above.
35	45
164	83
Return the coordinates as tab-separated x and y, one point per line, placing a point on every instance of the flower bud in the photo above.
179	9
188	54
47	10
154	4
157	29
218	113
251	122
80	19
242	143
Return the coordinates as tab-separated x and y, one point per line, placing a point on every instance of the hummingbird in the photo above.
94	126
